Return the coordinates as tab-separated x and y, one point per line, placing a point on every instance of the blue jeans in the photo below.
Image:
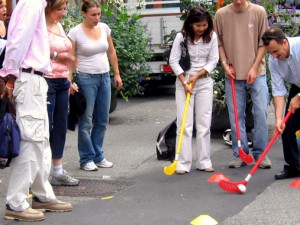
57	105
96	89
260	99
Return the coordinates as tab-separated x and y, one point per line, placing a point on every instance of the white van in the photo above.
161	18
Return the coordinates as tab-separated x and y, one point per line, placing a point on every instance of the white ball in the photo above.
242	188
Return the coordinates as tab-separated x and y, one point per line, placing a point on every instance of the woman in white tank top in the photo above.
93	46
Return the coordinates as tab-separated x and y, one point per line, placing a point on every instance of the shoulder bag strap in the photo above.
4	106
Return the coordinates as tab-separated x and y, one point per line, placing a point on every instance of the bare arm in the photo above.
72	65
279	110
252	75
295	103
113	59
224	61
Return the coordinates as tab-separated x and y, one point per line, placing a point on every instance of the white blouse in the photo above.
202	55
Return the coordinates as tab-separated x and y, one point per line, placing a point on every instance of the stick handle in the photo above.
188	96
236	113
265	152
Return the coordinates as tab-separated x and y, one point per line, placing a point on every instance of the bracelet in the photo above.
184	83
9	86
54	55
224	62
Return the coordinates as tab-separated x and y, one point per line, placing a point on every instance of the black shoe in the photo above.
285	174
3	164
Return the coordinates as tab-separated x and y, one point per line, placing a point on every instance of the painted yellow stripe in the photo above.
107	197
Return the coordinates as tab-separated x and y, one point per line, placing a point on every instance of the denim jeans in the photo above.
96	89
260	99
57	105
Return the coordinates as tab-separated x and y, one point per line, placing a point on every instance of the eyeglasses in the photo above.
201	13
271	38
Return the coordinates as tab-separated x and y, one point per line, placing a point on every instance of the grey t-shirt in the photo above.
91	53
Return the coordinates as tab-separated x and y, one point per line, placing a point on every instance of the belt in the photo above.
30	70
204	76
94	74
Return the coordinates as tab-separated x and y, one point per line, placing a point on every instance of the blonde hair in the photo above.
54	4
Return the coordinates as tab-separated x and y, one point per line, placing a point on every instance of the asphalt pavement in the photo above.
136	191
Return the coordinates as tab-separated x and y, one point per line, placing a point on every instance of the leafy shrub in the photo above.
131	41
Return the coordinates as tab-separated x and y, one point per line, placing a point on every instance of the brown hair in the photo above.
273	34
196	15
87	4
54	4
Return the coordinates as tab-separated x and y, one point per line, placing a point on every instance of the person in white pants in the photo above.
27	59
202	45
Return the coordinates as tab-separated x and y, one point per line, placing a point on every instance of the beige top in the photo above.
240	35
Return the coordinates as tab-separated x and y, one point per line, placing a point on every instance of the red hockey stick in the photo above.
240	187
243	156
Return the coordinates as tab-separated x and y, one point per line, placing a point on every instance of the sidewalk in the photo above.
279	204
140	194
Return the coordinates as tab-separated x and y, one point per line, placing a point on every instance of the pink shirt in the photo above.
27	39
61	44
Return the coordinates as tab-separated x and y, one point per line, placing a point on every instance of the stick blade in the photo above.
231	187
169	170
245	157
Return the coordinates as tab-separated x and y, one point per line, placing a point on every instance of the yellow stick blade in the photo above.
169	170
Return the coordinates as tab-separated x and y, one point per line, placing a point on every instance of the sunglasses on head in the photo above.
201	13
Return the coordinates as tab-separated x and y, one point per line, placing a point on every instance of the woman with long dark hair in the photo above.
202	45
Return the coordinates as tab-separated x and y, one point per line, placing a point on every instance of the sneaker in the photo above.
265	163
90	166
63	179
27	215
105	164
236	162
52	206
2	163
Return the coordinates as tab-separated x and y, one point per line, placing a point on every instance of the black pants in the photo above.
290	146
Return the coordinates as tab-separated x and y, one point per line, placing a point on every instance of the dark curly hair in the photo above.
196	15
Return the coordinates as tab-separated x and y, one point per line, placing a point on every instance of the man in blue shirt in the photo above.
284	64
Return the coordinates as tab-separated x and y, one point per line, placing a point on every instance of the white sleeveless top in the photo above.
91	53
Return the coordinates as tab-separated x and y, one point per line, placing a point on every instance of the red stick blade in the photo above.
245	157
231	187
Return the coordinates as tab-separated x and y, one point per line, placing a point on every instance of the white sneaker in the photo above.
105	164
63	179
90	166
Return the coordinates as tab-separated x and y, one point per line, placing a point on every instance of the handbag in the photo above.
166	142
185	61
9	133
